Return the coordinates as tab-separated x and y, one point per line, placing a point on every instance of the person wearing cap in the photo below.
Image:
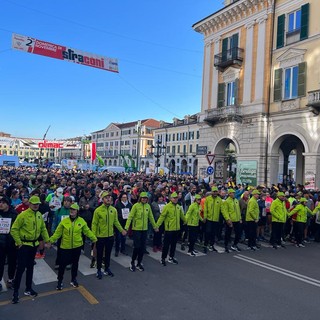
193	217
70	230
7	246
105	218
211	217
252	218
171	215
279	217
24	205
299	216
231	212
26	230
139	218
55	200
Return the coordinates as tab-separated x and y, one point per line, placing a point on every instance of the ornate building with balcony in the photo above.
236	77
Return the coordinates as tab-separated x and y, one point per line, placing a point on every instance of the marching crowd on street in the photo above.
44	207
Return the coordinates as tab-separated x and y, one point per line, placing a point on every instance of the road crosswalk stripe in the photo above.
43	273
84	266
4	287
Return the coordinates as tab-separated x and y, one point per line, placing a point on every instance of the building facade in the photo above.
126	144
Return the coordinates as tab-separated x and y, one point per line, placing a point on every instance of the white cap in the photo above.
59	190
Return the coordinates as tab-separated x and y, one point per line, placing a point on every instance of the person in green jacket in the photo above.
211	218
70	231
252	217
279	217
139	217
171	215
300	212
193	217
26	231
231	212
105	218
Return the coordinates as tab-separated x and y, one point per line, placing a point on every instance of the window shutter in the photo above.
302	79
304	31
280	31
236	91
224	49
277	90
221	95
235	43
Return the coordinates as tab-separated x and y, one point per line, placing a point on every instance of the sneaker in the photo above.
195	251
10	283
163	262
59	285
74	283
140	267
132	267
116	254
214	249
108	272
300	245
173	260
235	248
191	254
15	298
183	247
274	247
30	293
99	274
39	255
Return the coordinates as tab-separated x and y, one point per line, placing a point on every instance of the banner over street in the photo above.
56	51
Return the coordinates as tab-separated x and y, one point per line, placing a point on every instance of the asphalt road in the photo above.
266	284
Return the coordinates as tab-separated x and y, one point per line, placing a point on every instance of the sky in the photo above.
160	61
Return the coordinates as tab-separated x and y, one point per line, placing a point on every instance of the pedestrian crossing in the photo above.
44	273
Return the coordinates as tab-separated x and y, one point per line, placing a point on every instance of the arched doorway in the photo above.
184	166
287	160
225	163
172	166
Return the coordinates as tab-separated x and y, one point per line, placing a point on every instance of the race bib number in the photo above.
264	212
5	224
56	203
125	213
161	206
45	216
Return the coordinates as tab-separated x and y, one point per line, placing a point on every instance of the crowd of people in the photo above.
44	207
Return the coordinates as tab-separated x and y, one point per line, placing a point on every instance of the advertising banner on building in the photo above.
56	51
247	172
310	179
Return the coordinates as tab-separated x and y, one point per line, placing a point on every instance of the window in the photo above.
291	82
294	21
173	137
230	98
190	148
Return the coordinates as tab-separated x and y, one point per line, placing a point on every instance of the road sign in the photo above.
210	157
210	170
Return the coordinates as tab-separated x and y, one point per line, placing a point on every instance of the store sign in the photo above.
247	172
50	145
202	150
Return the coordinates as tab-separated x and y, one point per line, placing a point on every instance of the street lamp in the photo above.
158	152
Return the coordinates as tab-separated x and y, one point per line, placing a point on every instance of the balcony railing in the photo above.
314	98
228	58
225	114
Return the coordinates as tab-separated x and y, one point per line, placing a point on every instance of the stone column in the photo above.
261	54
248	64
206	76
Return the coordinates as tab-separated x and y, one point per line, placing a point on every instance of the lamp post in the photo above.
158	152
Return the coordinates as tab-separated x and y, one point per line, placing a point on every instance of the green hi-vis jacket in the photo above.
193	215
212	208
302	212
28	227
139	216
171	216
71	232
252	213
105	218
278	211
231	210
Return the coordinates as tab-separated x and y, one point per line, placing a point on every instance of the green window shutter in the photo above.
221	95
236	92
235	43
302	79
277	90
280	31
304	31
225	49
